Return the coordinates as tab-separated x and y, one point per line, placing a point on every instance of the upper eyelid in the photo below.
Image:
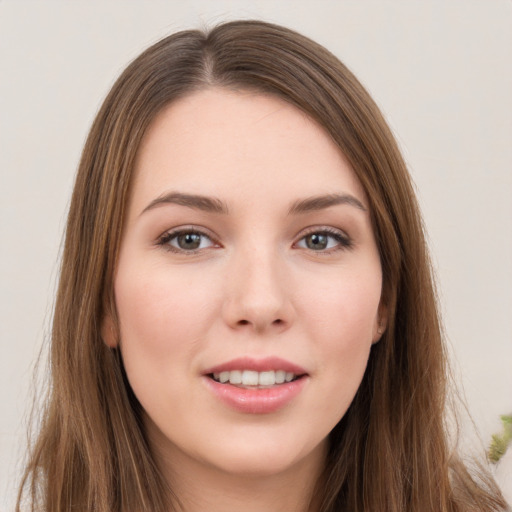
329	230
322	229
165	238
344	241
189	229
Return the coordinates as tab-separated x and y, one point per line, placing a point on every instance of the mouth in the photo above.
256	386
251	379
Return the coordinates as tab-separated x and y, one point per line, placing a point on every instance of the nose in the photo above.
258	296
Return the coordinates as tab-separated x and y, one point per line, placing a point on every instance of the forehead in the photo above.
239	144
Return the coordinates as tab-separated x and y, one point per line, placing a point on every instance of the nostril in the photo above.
278	321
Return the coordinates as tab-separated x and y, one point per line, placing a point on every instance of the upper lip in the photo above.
259	365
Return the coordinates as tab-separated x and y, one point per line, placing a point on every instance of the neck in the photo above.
199	486
226	493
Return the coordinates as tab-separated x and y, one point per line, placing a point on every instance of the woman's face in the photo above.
248	259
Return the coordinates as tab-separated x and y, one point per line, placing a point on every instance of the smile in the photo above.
256	386
252	378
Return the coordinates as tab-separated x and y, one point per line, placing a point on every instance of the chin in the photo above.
260	460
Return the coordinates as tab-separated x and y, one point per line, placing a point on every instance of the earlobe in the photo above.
378	335
109	332
381	324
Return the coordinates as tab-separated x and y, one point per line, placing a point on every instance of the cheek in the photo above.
342	320
345	309
160	302
163	318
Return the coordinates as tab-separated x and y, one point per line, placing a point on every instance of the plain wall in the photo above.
441	71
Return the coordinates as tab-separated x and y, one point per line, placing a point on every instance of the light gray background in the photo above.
440	70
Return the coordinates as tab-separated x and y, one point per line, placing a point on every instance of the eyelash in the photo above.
343	241
165	239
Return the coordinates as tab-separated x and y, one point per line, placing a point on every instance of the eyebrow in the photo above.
315	203
204	203
215	205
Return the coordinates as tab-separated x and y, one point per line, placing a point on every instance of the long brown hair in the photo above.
390	451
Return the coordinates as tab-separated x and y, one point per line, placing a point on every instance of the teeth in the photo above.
235	377
267	378
280	376
249	378
253	378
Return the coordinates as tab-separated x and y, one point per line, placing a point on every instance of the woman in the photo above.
246	313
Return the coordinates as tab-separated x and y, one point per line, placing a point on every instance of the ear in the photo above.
108	332
381	323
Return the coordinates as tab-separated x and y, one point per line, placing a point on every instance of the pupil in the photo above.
189	241
316	241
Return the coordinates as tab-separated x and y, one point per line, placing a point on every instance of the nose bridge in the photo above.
257	294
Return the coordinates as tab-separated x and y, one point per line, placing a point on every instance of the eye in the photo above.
324	240
185	241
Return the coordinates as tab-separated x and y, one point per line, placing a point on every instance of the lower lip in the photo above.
256	401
